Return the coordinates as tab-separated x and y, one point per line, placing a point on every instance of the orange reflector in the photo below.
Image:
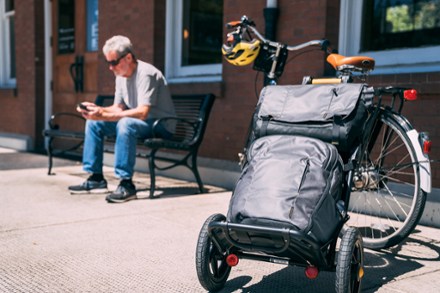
232	260
361	273
410	95
427	147
311	272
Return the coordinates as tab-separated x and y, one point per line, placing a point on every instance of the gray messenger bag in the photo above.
334	113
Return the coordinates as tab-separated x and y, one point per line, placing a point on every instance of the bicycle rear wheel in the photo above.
386	201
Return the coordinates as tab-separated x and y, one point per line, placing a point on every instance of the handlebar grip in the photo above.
233	24
326	47
325	44
245	21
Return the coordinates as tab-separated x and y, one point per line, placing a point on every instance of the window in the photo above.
193	40
66	26
402	35
7	44
400	24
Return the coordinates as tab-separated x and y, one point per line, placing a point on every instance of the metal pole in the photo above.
271	13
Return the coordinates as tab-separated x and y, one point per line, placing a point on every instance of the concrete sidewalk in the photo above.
51	241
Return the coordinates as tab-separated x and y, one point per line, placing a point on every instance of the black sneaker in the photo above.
90	186
126	191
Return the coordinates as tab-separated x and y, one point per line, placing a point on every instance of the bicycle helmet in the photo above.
241	53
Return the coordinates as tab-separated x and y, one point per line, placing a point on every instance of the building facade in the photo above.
51	56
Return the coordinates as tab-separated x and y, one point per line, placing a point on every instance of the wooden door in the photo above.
75	53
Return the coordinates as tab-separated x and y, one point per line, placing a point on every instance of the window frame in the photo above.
5	45
405	60
174	72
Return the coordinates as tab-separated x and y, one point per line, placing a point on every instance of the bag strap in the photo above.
337	130
265	123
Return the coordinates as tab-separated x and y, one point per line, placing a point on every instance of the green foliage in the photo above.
403	18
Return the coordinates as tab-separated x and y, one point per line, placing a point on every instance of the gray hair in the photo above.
119	44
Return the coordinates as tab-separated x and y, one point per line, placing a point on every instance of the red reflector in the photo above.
410	95
427	147
232	260
311	272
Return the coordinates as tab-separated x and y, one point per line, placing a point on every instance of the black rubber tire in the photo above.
212	269
350	261
386	215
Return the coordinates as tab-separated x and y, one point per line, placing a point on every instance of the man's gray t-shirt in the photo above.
147	86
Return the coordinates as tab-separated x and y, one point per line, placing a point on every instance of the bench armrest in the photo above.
53	119
186	130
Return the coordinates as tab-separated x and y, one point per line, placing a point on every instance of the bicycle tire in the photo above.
211	266
387	201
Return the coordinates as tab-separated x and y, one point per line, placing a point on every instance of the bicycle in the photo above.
391	174
386	174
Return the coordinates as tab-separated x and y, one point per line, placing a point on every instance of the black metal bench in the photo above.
192	113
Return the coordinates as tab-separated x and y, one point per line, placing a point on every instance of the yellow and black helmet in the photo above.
241	53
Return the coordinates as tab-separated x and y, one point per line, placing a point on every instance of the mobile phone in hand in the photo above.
83	107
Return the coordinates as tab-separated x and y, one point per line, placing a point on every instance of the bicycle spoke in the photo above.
398	203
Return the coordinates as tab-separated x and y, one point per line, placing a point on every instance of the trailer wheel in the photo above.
212	269
350	262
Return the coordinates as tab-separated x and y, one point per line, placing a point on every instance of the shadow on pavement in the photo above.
172	192
381	267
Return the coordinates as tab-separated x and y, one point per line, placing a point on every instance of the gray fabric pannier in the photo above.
290	181
334	113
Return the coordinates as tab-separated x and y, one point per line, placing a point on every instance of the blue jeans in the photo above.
127	131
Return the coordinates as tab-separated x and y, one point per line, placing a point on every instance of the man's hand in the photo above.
111	113
90	111
84	107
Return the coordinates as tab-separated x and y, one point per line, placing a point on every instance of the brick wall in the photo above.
143	22
20	116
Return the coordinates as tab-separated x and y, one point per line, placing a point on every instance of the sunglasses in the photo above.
116	61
